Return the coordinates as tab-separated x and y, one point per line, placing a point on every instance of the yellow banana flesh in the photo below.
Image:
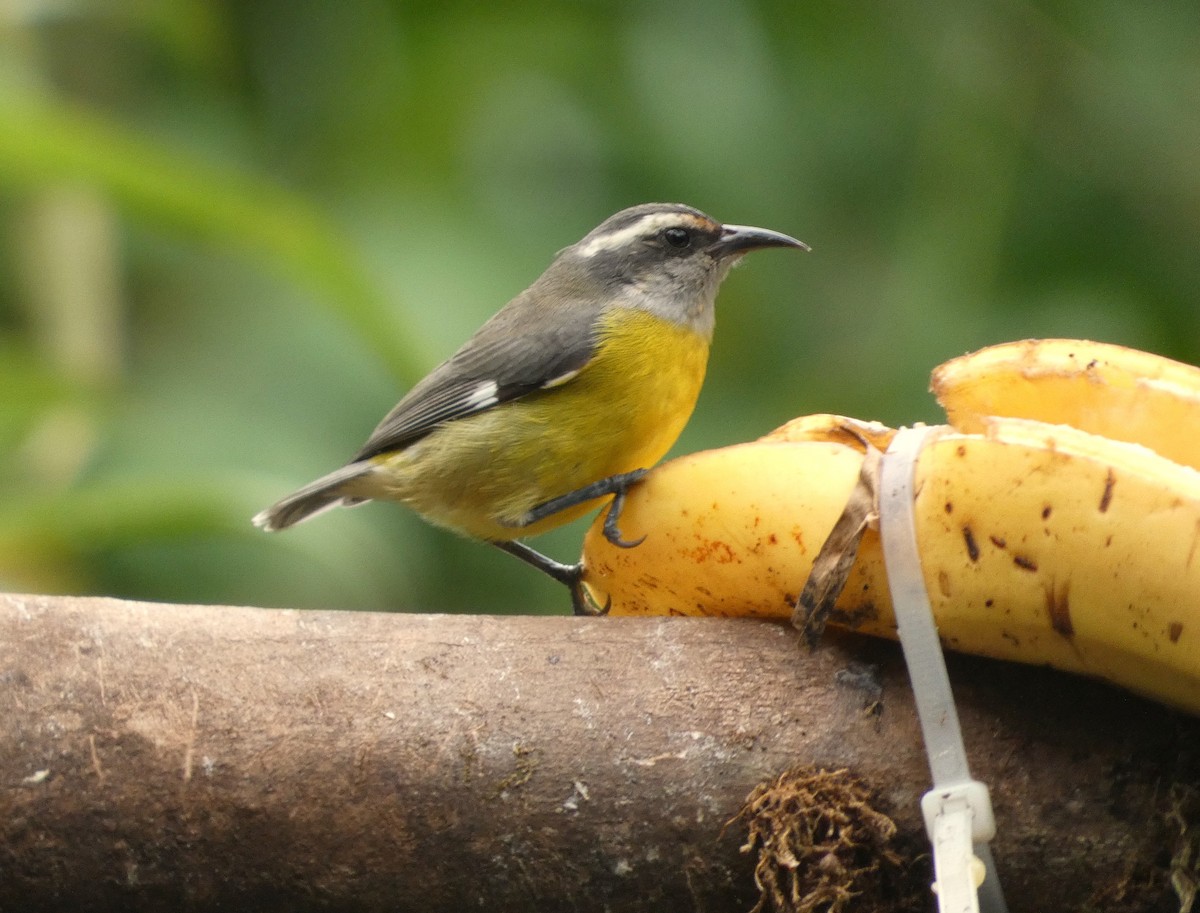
728	532
1039	543
1109	390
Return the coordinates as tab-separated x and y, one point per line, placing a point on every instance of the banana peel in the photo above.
1040	543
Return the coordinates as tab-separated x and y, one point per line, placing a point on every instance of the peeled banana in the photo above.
1040	543
1109	390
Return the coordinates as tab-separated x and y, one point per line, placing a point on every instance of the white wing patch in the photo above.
560	380
481	397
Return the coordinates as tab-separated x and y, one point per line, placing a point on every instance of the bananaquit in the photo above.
561	399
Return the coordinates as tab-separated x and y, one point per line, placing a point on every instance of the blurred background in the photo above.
233	234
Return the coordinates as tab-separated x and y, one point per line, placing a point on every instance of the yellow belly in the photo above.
623	412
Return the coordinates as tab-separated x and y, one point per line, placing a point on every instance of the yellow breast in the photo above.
622	412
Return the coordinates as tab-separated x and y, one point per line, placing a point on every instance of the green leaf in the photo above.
43	140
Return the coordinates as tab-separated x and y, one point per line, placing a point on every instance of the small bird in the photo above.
566	396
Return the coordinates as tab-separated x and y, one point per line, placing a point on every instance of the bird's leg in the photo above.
570	575
616	486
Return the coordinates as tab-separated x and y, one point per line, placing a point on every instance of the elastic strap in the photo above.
958	810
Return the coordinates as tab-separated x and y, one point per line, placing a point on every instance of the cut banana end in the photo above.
1039	543
1109	390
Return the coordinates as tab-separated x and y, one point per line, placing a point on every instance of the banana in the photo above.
729	532
1040	543
1109	390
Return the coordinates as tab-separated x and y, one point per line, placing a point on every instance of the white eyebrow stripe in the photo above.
646	225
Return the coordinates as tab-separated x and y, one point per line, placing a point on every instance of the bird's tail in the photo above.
326	492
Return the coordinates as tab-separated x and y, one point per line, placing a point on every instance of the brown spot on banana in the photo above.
972	545
1058	607
713	550
1110	481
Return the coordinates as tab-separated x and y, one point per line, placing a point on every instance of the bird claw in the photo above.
582	604
611	532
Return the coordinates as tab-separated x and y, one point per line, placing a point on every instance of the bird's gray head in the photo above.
666	258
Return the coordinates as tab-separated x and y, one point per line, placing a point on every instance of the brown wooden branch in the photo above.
196	758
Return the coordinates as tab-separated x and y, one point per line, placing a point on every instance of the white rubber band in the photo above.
958	810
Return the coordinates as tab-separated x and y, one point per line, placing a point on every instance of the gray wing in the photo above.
516	352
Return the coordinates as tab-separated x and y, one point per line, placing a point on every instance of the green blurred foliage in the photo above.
232	234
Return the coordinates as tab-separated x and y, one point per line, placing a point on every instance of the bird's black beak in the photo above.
738	239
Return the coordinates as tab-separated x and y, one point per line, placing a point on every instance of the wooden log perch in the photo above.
200	758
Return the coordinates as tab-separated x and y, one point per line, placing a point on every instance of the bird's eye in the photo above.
677	237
